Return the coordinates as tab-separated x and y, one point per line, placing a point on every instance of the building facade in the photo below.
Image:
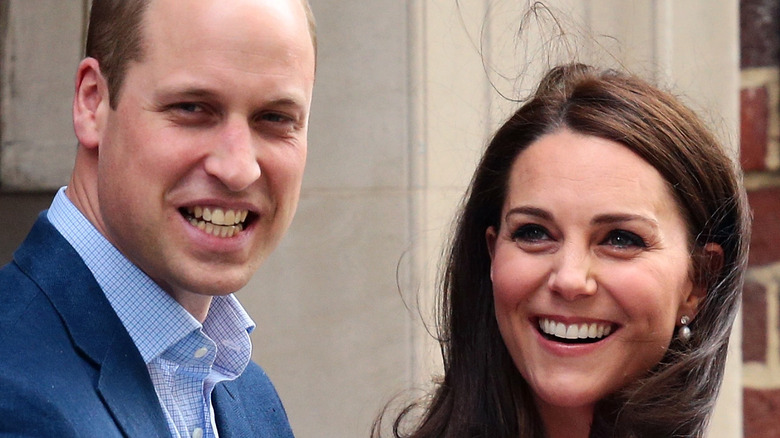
407	95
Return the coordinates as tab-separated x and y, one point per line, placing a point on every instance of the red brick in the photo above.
754	127
765	241
754	339
759	39
760	409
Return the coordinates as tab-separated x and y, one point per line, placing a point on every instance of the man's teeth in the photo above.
218	222
218	216
574	331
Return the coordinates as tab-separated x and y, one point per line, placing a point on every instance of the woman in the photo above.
594	274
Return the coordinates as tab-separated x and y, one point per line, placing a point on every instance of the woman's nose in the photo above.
571	277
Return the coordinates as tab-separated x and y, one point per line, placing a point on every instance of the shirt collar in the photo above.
154	320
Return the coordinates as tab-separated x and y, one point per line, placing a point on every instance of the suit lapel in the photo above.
128	391
123	383
230	418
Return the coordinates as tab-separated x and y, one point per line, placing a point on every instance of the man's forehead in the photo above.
301	8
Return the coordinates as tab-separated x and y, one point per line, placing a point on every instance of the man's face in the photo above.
200	165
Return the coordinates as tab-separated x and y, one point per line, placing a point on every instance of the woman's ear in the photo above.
491	235
708	264
90	103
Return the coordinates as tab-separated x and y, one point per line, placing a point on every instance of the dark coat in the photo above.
68	367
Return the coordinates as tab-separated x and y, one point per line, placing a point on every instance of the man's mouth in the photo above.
217	221
583	333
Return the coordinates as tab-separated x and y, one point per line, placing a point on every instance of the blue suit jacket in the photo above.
68	367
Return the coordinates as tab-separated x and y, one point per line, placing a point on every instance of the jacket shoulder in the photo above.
17	292
48	383
251	401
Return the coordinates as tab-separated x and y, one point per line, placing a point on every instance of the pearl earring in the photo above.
684	333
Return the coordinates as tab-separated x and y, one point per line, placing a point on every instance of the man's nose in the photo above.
234	160
572	276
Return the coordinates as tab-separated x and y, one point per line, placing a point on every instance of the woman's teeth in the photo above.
216	221
592	331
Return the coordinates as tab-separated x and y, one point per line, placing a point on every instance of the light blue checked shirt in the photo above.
185	359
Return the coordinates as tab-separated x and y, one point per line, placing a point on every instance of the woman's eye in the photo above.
531	233
624	239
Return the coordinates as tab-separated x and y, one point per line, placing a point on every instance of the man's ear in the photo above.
708	265
90	103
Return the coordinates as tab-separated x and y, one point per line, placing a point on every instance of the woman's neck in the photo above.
565	422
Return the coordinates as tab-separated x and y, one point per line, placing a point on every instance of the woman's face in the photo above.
590	268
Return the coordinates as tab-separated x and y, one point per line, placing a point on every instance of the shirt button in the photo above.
197	432
200	352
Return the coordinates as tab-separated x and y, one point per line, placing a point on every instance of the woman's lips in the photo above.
582	332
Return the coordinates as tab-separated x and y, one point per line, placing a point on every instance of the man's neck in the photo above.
196	304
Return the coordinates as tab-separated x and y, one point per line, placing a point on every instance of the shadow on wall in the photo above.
17	214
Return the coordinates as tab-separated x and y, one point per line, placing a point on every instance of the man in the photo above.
118	319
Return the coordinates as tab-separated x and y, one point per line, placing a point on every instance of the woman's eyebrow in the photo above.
614	218
529	211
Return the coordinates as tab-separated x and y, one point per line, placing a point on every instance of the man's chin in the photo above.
206	285
216	288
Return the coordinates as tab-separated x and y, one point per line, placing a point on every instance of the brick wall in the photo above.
760	156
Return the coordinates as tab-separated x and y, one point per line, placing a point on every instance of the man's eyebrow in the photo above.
205	93
197	92
285	101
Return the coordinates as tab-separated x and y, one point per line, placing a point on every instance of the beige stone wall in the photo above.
43	41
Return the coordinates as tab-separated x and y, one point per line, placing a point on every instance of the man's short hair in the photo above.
115	38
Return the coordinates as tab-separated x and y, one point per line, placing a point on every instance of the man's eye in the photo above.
624	239
275	118
277	124
531	233
188	107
